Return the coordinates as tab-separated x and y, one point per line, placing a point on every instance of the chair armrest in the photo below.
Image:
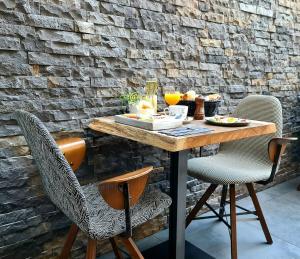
124	191
74	149
112	188
278	146
128	176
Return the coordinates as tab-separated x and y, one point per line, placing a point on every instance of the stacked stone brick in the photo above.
69	61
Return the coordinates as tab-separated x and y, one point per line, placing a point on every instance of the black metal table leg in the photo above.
176	247
178	178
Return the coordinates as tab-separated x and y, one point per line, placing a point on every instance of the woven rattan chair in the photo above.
253	160
123	203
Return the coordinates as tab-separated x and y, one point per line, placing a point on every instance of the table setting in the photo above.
182	125
182	110
177	139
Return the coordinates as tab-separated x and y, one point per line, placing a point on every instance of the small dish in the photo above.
188	120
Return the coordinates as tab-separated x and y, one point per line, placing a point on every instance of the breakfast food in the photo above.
226	120
213	97
145	108
131	115
189	96
145	105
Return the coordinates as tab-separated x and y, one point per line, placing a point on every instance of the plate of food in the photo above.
227	121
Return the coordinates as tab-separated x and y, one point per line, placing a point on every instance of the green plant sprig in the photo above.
131	98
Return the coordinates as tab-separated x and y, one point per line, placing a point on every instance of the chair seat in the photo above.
107	222
229	168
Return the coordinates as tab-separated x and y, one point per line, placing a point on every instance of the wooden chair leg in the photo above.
91	249
69	242
233	231
117	252
259	212
200	204
223	200
132	248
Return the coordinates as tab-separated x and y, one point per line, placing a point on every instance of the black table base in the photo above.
161	251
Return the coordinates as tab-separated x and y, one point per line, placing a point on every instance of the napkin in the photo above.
185	131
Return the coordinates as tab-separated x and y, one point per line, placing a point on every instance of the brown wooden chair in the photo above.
101	210
74	150
121	193
254	160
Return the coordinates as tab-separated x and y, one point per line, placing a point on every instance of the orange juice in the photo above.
172	98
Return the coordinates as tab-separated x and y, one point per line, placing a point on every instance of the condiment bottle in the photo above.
199	111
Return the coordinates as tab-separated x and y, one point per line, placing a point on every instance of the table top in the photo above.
173	144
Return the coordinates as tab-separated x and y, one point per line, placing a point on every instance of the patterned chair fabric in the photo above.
107	222
59	181
82	205
242	161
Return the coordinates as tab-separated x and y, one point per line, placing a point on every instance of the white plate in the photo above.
238	123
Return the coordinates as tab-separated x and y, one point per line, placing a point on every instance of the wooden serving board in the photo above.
156	125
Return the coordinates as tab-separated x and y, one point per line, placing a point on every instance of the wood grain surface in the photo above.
113	194
173	144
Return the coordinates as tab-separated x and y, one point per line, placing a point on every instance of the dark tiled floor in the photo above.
281	207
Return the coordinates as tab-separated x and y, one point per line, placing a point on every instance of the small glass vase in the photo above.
151	93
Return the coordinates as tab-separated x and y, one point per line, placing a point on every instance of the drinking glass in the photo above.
172	98
151	92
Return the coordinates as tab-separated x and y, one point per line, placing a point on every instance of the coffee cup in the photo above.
177	111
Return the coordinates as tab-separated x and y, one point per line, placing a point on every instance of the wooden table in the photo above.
178	148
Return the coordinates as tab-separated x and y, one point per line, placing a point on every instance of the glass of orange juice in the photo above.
172	98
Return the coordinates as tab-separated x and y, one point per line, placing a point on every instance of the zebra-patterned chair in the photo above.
123	204
248	161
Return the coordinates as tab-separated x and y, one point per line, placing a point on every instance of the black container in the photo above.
211	108
191	105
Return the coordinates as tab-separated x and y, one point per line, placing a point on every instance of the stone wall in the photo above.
68	61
